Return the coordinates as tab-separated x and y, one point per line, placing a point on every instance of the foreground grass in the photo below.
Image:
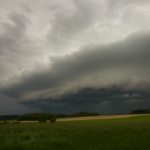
110	134
10	121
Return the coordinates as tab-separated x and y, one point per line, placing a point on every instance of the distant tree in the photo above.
53	119
141	111
50	116
35	116
5	121
148	112
8	117
43	118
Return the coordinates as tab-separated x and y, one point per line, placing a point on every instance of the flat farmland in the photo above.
99	117
132	133
93	117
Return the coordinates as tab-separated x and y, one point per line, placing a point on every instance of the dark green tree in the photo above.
53	119
50	116
43	118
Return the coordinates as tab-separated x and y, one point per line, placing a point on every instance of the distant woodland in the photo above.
141	111
9	117
35	116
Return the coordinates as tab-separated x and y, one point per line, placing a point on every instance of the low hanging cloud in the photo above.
123	65
75	55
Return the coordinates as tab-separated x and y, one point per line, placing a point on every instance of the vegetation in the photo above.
43	118
8	117
78	114
110	134
35	116
32	117
141	111
50	116
9	121
5	121
53	119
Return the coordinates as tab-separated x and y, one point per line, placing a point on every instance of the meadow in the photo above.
108	134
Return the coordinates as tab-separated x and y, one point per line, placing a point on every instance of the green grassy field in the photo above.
10	121
109	134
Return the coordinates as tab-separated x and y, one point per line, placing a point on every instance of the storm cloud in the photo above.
83	56
124	64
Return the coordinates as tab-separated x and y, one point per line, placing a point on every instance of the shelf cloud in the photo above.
77	55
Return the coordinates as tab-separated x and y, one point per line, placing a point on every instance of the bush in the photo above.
50	116
43	118
53	119
5	121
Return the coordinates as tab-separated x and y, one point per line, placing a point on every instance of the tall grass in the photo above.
111	134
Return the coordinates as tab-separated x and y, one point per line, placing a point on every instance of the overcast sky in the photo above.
74	55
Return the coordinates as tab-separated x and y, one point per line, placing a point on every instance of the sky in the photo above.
73	56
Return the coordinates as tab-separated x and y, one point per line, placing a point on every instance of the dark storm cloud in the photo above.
9	105
112	101
124	64
97	76
93	96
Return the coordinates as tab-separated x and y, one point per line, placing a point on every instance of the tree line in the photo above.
9	117
141	111
78	114
44	117
35	116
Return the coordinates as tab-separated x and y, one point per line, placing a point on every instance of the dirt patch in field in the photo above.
93	117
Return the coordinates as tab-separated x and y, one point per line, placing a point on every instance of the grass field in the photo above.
10	121
110	134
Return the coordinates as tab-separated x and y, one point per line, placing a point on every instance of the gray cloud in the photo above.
13	31
114	5
9	105
26	8
112	101
124	64
95	45
85	22
17	50
12	38
69	24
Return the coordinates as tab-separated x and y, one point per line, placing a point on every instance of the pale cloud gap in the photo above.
50	49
